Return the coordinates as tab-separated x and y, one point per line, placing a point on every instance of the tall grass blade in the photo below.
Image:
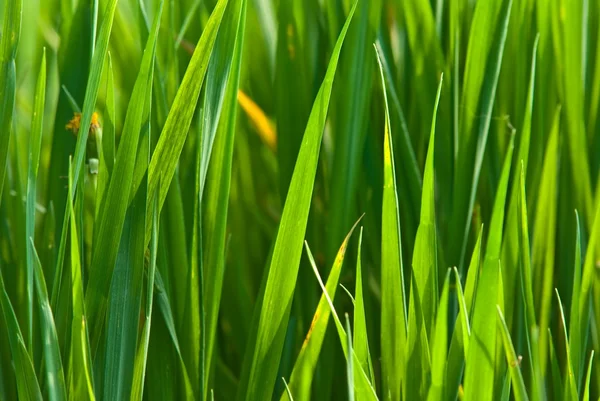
288	245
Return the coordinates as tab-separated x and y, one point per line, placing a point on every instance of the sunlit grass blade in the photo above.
35	144
425	268
393	299
9	41
510	245
576	340
439	347
349	361
544	237
361	340
304	368
174	133
80	379
513	360
55	377
586	385
480	364
363	388
285	261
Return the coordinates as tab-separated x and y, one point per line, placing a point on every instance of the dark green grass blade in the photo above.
356	77
288	246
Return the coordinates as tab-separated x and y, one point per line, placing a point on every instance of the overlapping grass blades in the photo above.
288	245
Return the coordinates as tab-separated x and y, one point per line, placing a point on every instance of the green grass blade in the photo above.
361	340
513	360
510	246
355	77
393	308
215	203
586	386
425	268
576	340
479	91
174	133
80	382
118	194
570	386
304	368
439	348
35	145
9	41
288	245
544	237
139	374
479	372
53	363
27	383
349	361
364	390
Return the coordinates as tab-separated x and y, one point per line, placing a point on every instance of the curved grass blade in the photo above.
393	299
570	387
285	262
35	145
577	337
304	368
53	363
513	361
364	390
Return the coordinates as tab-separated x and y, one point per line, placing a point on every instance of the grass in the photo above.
299	200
